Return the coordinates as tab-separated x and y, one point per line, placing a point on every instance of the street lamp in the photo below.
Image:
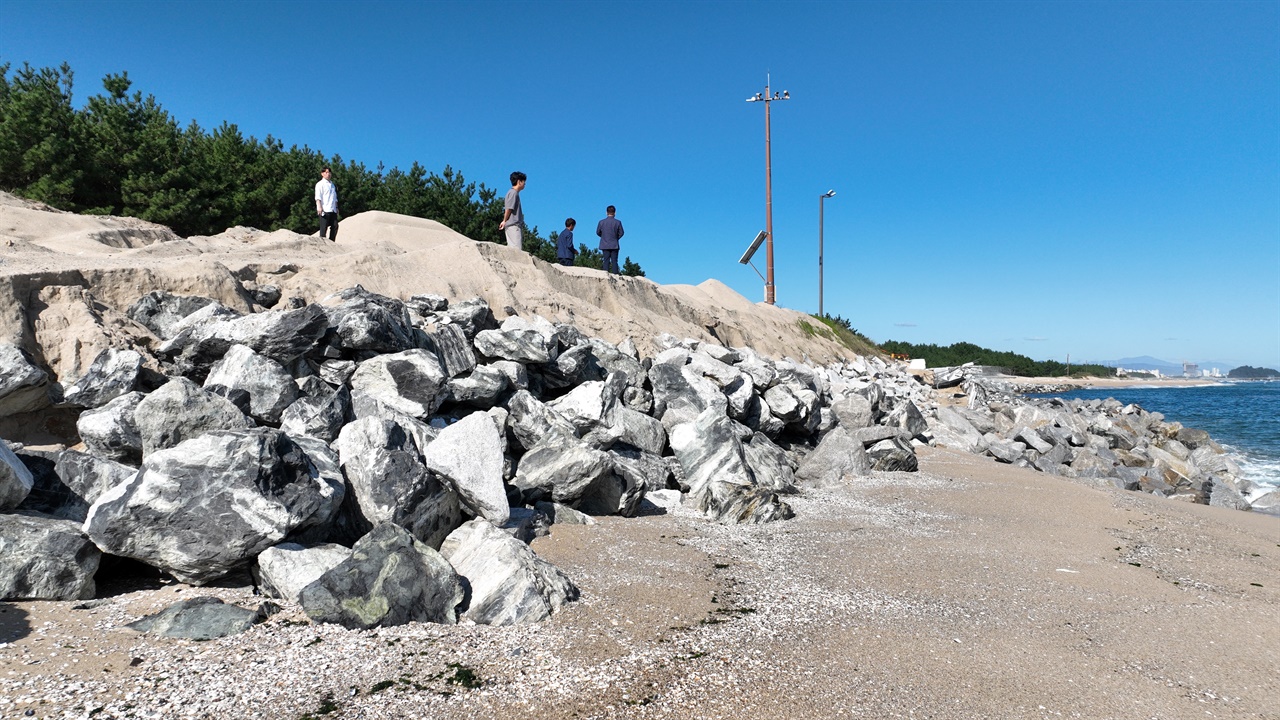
766	98
823	196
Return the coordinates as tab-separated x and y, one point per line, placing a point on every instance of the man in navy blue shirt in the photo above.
610	231
564	243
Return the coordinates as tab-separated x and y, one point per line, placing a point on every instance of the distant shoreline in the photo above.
1102	383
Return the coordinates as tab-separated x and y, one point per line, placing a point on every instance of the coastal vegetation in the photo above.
1246	372
840	330
1021	365
122	153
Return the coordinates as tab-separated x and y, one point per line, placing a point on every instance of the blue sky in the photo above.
1052	178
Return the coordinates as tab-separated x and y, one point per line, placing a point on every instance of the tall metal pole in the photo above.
820	199
770	295
769	290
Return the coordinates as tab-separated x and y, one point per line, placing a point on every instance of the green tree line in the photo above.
124	154
1020	365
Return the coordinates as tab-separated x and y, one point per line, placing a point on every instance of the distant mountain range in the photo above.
1146	362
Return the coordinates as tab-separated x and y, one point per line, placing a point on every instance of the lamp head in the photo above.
829	193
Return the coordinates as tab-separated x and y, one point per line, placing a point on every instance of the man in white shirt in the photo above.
327	205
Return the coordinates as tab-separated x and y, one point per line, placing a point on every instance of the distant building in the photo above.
1190	369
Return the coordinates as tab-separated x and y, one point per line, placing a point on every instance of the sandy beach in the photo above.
968	590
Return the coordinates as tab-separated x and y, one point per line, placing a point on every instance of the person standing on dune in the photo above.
327	205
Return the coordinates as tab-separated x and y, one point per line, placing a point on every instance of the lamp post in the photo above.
766	98
823	196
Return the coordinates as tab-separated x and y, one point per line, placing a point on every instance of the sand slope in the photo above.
63	274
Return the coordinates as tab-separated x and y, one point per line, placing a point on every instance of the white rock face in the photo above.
509	583
468	455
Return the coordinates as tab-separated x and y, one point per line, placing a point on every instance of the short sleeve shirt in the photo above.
512	203
327	194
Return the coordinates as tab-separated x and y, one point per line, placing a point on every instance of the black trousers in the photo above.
329	220
610	260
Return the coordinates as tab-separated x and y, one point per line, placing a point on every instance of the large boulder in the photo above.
532	422
16	479
160	311
179	411
71	483
390	579
285	570
451	345
468	456
721	482
320	416
282	335
410	382
112	374
23	386
508	583
269	387
211	504
560	469
367	321
45	559
111	431
522	345
389	483
837	459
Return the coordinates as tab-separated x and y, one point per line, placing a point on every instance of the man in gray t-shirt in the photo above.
512	225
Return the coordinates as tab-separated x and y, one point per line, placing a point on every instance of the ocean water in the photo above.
1243	417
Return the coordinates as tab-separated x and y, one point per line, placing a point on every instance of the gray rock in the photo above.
614	359
508	583
111	374
389	483
907	416
852	411
390	579
481	388
762	371
560	469
111	431
201	618
1193	438
160	311
1032	439
211	504
783	403
267	296
620	492
532	422
411	382
721	483
525	525
769	464
270	388
838	458
282	335
1004	450
179	411
468	456
16	480
1223	495
336	372
23	386
894	454
522	346
471	316
321	416
45	559
367	321
454	350
680	395
74	481
284	570
563	514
